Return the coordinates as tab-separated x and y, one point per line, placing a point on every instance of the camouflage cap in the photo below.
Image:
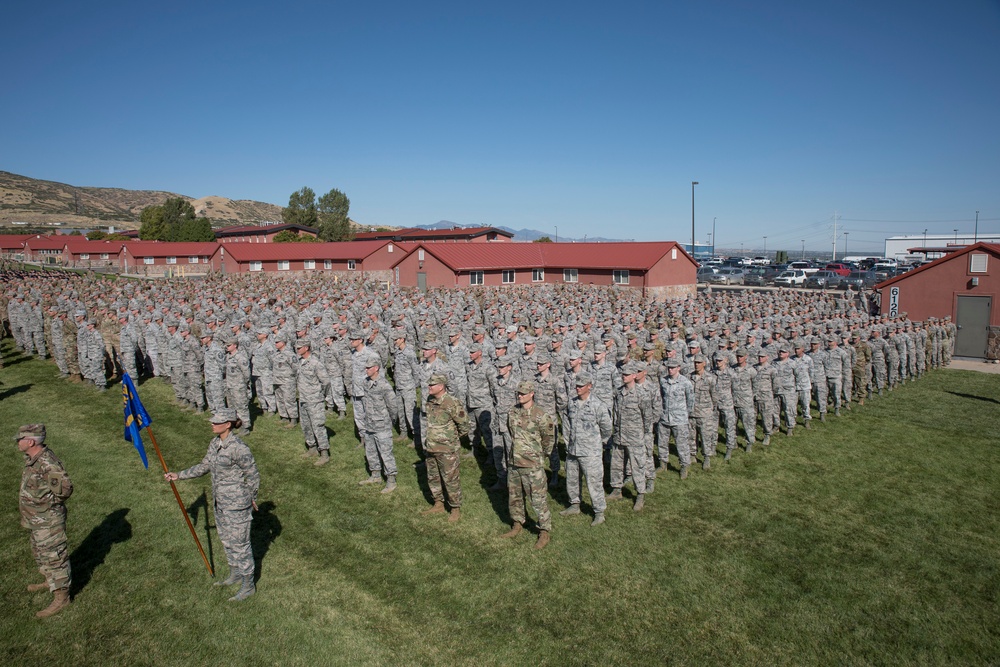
223	416
374	362
34	432
303	343
504	361
673	362
526	387
543	359
700	359
575	354
355	333
437	378
429	344
583	379
648	347
629	368
475	347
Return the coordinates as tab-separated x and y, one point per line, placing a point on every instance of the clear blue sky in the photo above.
593	117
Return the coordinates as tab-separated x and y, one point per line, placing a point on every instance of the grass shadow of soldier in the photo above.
264	529
7	393
90	554
985	399
195	508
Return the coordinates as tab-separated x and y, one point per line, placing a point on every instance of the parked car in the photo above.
859	279
706	272
728	276
760	276
824	280
791	278
839	268
803	266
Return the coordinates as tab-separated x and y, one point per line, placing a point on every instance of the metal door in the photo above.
972	321
421	280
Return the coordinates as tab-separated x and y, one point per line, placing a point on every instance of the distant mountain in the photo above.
519	234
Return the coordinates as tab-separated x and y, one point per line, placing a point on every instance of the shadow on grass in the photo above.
264	529
7	393
193	510
96	546
978	398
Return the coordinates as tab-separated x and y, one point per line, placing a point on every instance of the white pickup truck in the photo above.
803	266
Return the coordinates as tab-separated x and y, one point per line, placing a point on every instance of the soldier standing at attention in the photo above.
45	486
313	383
235	482
533	434
632	417
589	428
285	369
447	422
380	413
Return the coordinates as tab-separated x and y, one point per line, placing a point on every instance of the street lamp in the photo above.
925	238
713	236
956	236
712	245
803	248
693	183
557	233
845	244
765	247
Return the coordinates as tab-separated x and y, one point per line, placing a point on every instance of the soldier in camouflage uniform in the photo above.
91	347
192	370
261	372
533	435
784	388
834	366
743	397
479	373
550	395
589	428
447	422
705	416
214	363
58	343
862	367
724	399
763	392
405	375
285	369
380	413
503	388
237	381
313	386
631	418
127	346
818	376
45	487
235	483
70	344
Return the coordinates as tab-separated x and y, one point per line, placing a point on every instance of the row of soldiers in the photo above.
303	349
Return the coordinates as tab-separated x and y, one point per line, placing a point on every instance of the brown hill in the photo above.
43	203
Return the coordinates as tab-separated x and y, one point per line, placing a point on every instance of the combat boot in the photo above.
640	502
34	588
836	412
454	515
554	482
498	485
543	539
292	422
861	402
572	510
436	508
59	602
766	441
514	531
749	447
310	453
246	590
233	578
806	424
598	519
729	455
374	478
390	484
822	417
324	458
650	484
616	494
707	463
684	472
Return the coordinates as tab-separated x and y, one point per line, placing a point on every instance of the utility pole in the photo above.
765	247
834	258
845	244
693	183
803	249
975	238
713	236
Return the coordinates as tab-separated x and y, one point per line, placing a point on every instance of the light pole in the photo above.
557	233
765	247
693	183
713	236
803	249
956	237
925	238
711	244
845	244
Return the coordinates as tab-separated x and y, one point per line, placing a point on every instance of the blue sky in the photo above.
590	117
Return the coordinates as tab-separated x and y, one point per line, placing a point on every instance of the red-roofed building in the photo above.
453	235
373	259
661	269
44	249
963	285
167	258
12	245
80	252
260	233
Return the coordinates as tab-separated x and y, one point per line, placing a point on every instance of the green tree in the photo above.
334	224
286	236
544	239
195	229
153	227
301	209
97	235
174	220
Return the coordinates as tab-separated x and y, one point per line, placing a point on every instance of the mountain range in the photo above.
519	234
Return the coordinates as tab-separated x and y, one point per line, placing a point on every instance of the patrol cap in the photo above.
475	347
673	362
207	333
543	359
511	329
429	344
437	378
629	368
529	340
648	347
354	333
502	343
799	345
223	416
35	432
694	343
583	379
504	361
575	354
525	387
375	362
400	332
762	353
303	343
700	359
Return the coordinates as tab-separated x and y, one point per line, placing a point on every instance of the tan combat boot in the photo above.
437	508
34	588
543	539
455	515
59	602
514	531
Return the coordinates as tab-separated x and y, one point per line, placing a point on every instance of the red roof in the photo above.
416	234
270	252
640	256
13	241
171	248
260	229
78	244
44	243
989	247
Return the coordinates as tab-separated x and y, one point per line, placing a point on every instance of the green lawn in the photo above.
871	539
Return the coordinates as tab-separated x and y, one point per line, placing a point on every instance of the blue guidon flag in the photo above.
136	417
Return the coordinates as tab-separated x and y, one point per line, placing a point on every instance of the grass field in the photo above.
871	539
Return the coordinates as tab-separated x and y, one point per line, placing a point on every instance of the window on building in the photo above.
309	264
537	275
475	277
673	253
171	260
420	255
256	266
508	276
84	255
104	255
351	264
193	259
327	263
147	260
390	248
620	276
283	264
977	262
571	275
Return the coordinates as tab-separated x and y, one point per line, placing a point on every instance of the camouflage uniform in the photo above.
532	435
678	403
818	379
763	392
479	401
447	421
705	416
285	366
313	383
214	358
862	368
631	418
380	414
550	395
192	371
238	384
405	372
70	345
589	428
503	388
235	482
262	374
743	400
45	487
786	392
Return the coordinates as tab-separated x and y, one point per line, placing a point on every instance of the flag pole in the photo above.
180	502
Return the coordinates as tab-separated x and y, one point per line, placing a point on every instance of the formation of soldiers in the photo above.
620	377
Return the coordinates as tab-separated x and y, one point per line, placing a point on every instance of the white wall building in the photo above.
896	247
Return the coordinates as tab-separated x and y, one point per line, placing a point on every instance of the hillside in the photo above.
39	202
